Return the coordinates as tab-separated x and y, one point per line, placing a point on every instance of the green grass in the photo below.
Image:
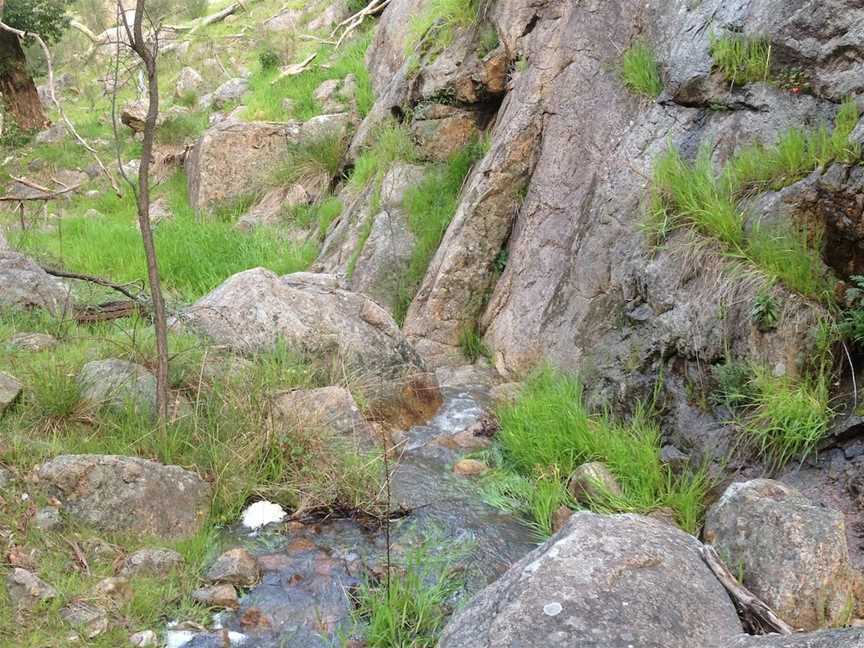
472	345
431	206
265	99
640	71
437	25
179	129
313	163
194	257
548	432
320	215
742	60
694	195
410	611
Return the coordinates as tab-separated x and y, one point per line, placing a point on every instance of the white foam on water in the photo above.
176	638
261	514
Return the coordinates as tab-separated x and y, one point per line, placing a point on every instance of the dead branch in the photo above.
108	312
294	69
99	281
69	126
757	617
47	194
347	26
219	16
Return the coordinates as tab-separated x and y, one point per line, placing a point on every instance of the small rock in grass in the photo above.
151	562
236	566
143	639
674	458
88	619
26	589
560	517
115	588
592	482
664	514
217	596
31	342
470	468
10	390
6	476
48	518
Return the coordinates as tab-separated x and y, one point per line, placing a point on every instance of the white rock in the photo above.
261	514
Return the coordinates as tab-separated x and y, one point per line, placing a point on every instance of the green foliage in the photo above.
851	325
764	312
489	41
472	345
733	384
269	60
48	18
549	432
195	8
431	206
692	194
742	60
640	71
786	419
187	99
435	28
265	100
194	257
312	163
320	214
181	128
355	6
410	609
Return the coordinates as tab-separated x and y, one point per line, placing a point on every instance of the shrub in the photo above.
742	60
640	72
269	60
548	432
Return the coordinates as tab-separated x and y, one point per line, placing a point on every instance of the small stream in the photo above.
302	599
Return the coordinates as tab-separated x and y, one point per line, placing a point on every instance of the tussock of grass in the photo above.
692	194
265	99
742	60
320	214
472	345
410	609
194	257
313	164
640	71
549	432
438	24
431	206
180	128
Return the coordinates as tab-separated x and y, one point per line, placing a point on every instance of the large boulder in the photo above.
602	581
256	309
229	92
329	409
128	494
118	384
792	554
851	638
26	285
231	158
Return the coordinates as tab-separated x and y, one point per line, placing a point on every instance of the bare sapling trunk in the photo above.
147	54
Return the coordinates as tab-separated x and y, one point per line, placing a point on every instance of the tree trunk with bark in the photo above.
20	98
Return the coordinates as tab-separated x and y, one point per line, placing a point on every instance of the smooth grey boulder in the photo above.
850	638
385	259
616	581
26	285
328	409
26	589
128	494
188	81
792	554
254	310
230	91
118	384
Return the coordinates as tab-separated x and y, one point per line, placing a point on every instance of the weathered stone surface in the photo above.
47	518
793	555
271	209
326	126
134	115
144	639
330	409
593	482
115	589
235	567
118	384
217	596
128	494
610	581
87	619
53	135
442	130
385	258
151	562
470	468
231	157
227	93
188	82
31	341
254	309
26	285
10	390
160	211
851	638
26	589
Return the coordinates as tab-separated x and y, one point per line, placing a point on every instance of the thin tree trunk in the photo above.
20	98
148	58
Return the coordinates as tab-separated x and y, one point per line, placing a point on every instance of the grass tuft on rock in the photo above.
742	60
548	432
437	25
640	71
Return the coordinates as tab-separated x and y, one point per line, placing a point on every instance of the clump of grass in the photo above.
640	71
548	432
431	206
312	163
320	214
472	345
692	194
742	60
436	26
178	129
410	608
